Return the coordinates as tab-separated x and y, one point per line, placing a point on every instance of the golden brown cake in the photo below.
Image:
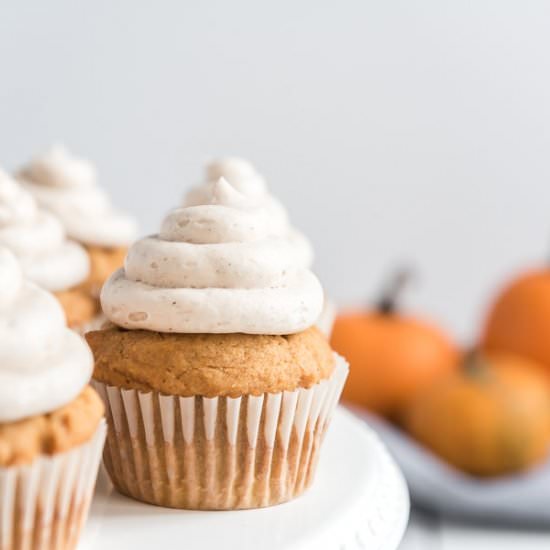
210	364
79	305
53	432
217	387
52	428
104	260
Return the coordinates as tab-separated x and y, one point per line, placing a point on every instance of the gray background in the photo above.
394	131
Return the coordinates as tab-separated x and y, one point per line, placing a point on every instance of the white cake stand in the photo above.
359	500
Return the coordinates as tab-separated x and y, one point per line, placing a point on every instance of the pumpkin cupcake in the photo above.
47	258
218	387
67	186
242	175
51	422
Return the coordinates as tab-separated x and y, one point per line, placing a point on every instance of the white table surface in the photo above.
426	532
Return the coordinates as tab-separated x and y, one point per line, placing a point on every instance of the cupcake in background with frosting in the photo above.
242	175
51	421
47	257
218	385
67	186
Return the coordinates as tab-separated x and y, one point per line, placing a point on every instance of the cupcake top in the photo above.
38	240
67	186
43	364
245	179
215	268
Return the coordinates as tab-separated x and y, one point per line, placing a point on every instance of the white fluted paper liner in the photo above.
217	453
44	504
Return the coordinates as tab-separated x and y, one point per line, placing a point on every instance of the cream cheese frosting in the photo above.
43	364
67	186
38	240
245	179
215	267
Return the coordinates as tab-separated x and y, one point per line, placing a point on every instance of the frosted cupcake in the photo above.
51	427
242	175
47	258
218	387
67	186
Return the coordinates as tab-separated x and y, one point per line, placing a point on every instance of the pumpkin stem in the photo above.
474	364
387	303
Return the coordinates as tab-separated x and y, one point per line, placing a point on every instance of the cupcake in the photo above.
244	177
51	422
217	385
67	186
47	258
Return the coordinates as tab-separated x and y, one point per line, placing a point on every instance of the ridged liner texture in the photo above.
44	504
217	453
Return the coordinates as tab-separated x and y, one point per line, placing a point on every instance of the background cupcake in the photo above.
51	428
47	258
67	186
242	175
218	387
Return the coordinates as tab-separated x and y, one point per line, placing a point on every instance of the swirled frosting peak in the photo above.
245	179
67	186
214	267
43	364
38	240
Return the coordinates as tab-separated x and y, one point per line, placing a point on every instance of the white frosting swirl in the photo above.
245	179
38	240
214	268
43	364
67	186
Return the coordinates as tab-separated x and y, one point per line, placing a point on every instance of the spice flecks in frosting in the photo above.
247	181
38	240
67	185
43	364
214	268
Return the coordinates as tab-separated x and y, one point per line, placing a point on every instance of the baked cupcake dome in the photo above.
218	389
67	186
46	256
49	418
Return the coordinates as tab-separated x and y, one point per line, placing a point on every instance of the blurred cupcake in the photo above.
218	388
67	186
51	423
245	179
48	259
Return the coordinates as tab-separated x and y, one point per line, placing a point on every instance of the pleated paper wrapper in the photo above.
217	453
44	504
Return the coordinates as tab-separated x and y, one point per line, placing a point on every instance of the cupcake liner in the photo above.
217	453
44	504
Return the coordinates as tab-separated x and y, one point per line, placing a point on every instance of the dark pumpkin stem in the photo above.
387	304
474	364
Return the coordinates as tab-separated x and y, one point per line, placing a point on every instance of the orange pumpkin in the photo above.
489	418
392	356
519	321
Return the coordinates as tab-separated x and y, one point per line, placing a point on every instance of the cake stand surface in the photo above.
359	500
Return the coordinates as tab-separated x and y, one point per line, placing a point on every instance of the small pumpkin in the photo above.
392	356
489	418
519	321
